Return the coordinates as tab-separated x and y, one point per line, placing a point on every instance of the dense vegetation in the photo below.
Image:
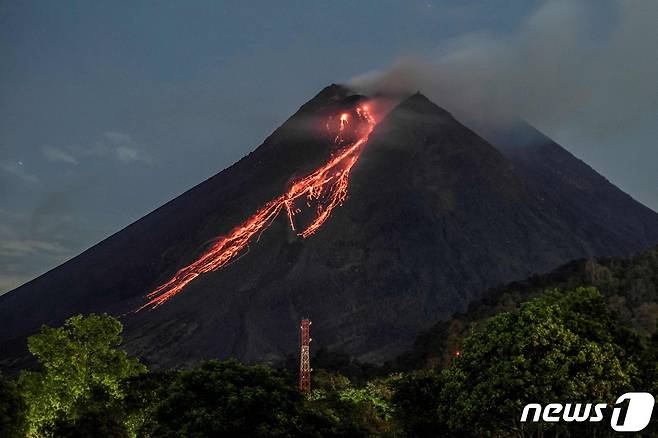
630	287
544	340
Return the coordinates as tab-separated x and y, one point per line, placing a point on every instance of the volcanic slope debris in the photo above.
428	215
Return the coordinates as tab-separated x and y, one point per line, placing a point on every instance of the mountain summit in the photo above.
414	222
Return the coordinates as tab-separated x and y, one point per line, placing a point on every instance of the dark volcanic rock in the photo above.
587	201
435	216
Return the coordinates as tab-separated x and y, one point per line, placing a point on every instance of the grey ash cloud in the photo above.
554	68
583	72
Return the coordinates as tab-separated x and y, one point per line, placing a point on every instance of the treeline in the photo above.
558	347
629	285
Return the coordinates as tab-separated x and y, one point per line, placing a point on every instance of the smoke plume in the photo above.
556	66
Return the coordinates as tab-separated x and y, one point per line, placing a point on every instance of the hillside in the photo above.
630	286
418	217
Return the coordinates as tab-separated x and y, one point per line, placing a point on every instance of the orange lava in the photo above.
326	188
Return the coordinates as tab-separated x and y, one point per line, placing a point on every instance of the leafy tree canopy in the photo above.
560	347
78	362
228	399
13	421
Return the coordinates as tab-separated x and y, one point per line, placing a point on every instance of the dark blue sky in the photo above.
109	109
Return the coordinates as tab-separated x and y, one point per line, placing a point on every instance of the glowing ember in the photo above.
326	188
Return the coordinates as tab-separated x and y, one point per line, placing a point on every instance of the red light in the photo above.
326	187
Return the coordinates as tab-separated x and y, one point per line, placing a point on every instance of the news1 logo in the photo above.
638	412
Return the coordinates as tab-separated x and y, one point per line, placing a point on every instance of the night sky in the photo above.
110	109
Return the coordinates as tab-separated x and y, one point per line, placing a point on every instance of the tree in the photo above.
415	400
228	399
79	362
91	423
339	408
12	410
143	393
560	347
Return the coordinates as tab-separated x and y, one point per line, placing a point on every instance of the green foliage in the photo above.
143	393
227	399
574	346
78	362
415	400
375	395
342	409
91	423
13	421
630	288
560	347
327	381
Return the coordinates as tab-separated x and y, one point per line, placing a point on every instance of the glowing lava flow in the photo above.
326	187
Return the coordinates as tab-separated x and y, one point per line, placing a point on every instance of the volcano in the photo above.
373	224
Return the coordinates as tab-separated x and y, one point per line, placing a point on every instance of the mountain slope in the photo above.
588	201
435	215
629	284
115	274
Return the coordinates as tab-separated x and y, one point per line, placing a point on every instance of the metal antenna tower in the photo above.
305	356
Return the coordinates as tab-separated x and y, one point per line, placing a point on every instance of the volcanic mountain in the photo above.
374	231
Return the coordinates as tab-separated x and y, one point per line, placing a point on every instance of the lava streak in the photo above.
325	188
